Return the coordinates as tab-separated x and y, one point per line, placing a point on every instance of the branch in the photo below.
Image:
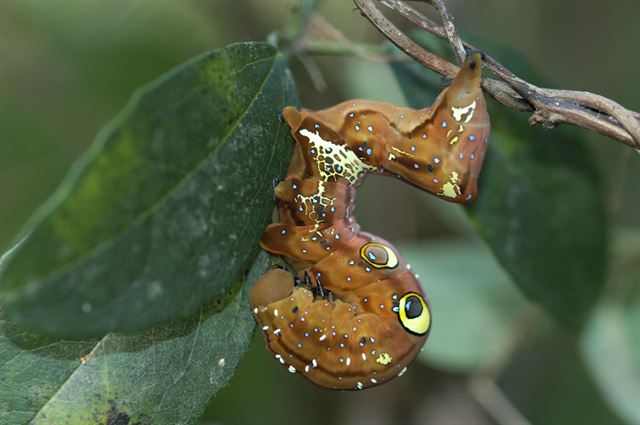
549	107
322	38
491	397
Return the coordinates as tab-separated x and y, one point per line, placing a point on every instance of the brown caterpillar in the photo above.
355	316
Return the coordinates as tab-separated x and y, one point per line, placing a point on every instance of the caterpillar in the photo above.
354	315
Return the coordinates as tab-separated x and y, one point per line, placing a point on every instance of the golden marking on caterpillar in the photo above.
400	151
450	188
384	359
354	315
307	202
347	164
458	113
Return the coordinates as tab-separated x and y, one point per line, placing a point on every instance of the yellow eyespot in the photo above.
414	313
379	256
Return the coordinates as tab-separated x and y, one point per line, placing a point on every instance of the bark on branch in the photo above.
549	107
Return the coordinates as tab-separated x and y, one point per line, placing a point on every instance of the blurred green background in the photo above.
68	67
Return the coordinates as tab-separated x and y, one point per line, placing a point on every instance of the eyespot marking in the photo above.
379	256
414	313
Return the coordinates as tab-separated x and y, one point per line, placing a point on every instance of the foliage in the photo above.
182	176
163	375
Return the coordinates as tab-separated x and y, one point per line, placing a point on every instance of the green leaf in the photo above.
543	215
475	307
611	350
162	376
547	382
164	212
610	344
539	208
32	368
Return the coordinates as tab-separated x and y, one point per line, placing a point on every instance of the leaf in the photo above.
32	368
162	376
610	343
164	212
611	350
544	218
540	207
475	308
547	382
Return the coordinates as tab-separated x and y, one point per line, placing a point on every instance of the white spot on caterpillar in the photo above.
221	362
402	371
322	338
292	369
359	385
314	363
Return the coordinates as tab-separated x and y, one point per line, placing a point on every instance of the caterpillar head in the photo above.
274	285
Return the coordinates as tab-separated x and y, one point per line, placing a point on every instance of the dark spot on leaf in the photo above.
114	417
